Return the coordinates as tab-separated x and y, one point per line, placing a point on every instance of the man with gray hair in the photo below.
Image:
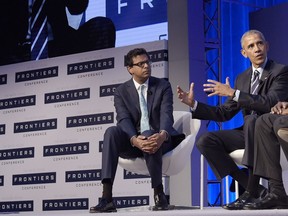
256	90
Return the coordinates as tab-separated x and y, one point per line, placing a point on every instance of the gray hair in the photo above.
250	32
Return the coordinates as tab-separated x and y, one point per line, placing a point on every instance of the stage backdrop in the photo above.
53	114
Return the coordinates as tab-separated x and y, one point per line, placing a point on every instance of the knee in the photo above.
203	142
279	124
259	122
111	131
264	122
250	119
112	138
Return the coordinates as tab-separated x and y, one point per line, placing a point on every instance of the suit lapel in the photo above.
133	95
246	85
265	74
151	94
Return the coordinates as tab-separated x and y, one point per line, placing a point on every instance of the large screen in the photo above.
136	21
36	29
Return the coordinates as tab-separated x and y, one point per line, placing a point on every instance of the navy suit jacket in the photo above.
272	88
159	102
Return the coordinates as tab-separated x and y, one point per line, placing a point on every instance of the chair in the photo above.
183	123
175	160
283	134
237	156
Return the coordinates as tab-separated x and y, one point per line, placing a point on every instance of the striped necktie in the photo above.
39	33
144	122
255	83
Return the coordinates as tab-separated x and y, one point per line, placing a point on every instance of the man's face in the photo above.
141	69
255	48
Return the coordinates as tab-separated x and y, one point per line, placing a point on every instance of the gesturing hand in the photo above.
186	97
214	87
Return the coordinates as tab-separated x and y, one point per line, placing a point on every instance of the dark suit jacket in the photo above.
159	102
272	88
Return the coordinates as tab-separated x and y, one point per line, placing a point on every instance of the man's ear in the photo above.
267	46
129	69
243	52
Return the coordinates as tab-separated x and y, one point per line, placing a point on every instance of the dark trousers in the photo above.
216	146
267	146
116	143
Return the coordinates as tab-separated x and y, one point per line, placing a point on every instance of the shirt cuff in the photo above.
167	135
236	95
195	106
131	140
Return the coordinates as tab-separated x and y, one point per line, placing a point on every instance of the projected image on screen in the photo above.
136	21
72	33
52	28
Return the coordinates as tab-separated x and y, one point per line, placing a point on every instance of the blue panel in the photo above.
134	13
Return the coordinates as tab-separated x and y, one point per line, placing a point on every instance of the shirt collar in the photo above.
261	68
137	85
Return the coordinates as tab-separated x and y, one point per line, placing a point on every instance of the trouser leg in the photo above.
216	146
267	148
154	161
249	128
114	142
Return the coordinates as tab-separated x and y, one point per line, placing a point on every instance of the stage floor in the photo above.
179	211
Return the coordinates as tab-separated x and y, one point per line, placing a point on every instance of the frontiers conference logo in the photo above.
41	73
131	201
17	206
76	94
83	175
20	153
152	12
158	55
108	90
47	124
83	67
34	178
88	120
18	102
66	149
65	204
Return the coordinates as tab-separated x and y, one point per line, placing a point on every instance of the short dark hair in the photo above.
133	53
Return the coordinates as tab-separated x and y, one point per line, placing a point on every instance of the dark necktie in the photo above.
144	122
255	83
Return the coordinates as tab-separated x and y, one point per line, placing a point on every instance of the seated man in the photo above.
256	90
267	157
144	108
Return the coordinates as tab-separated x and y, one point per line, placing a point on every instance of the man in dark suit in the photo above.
129	138
256	90
270	129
